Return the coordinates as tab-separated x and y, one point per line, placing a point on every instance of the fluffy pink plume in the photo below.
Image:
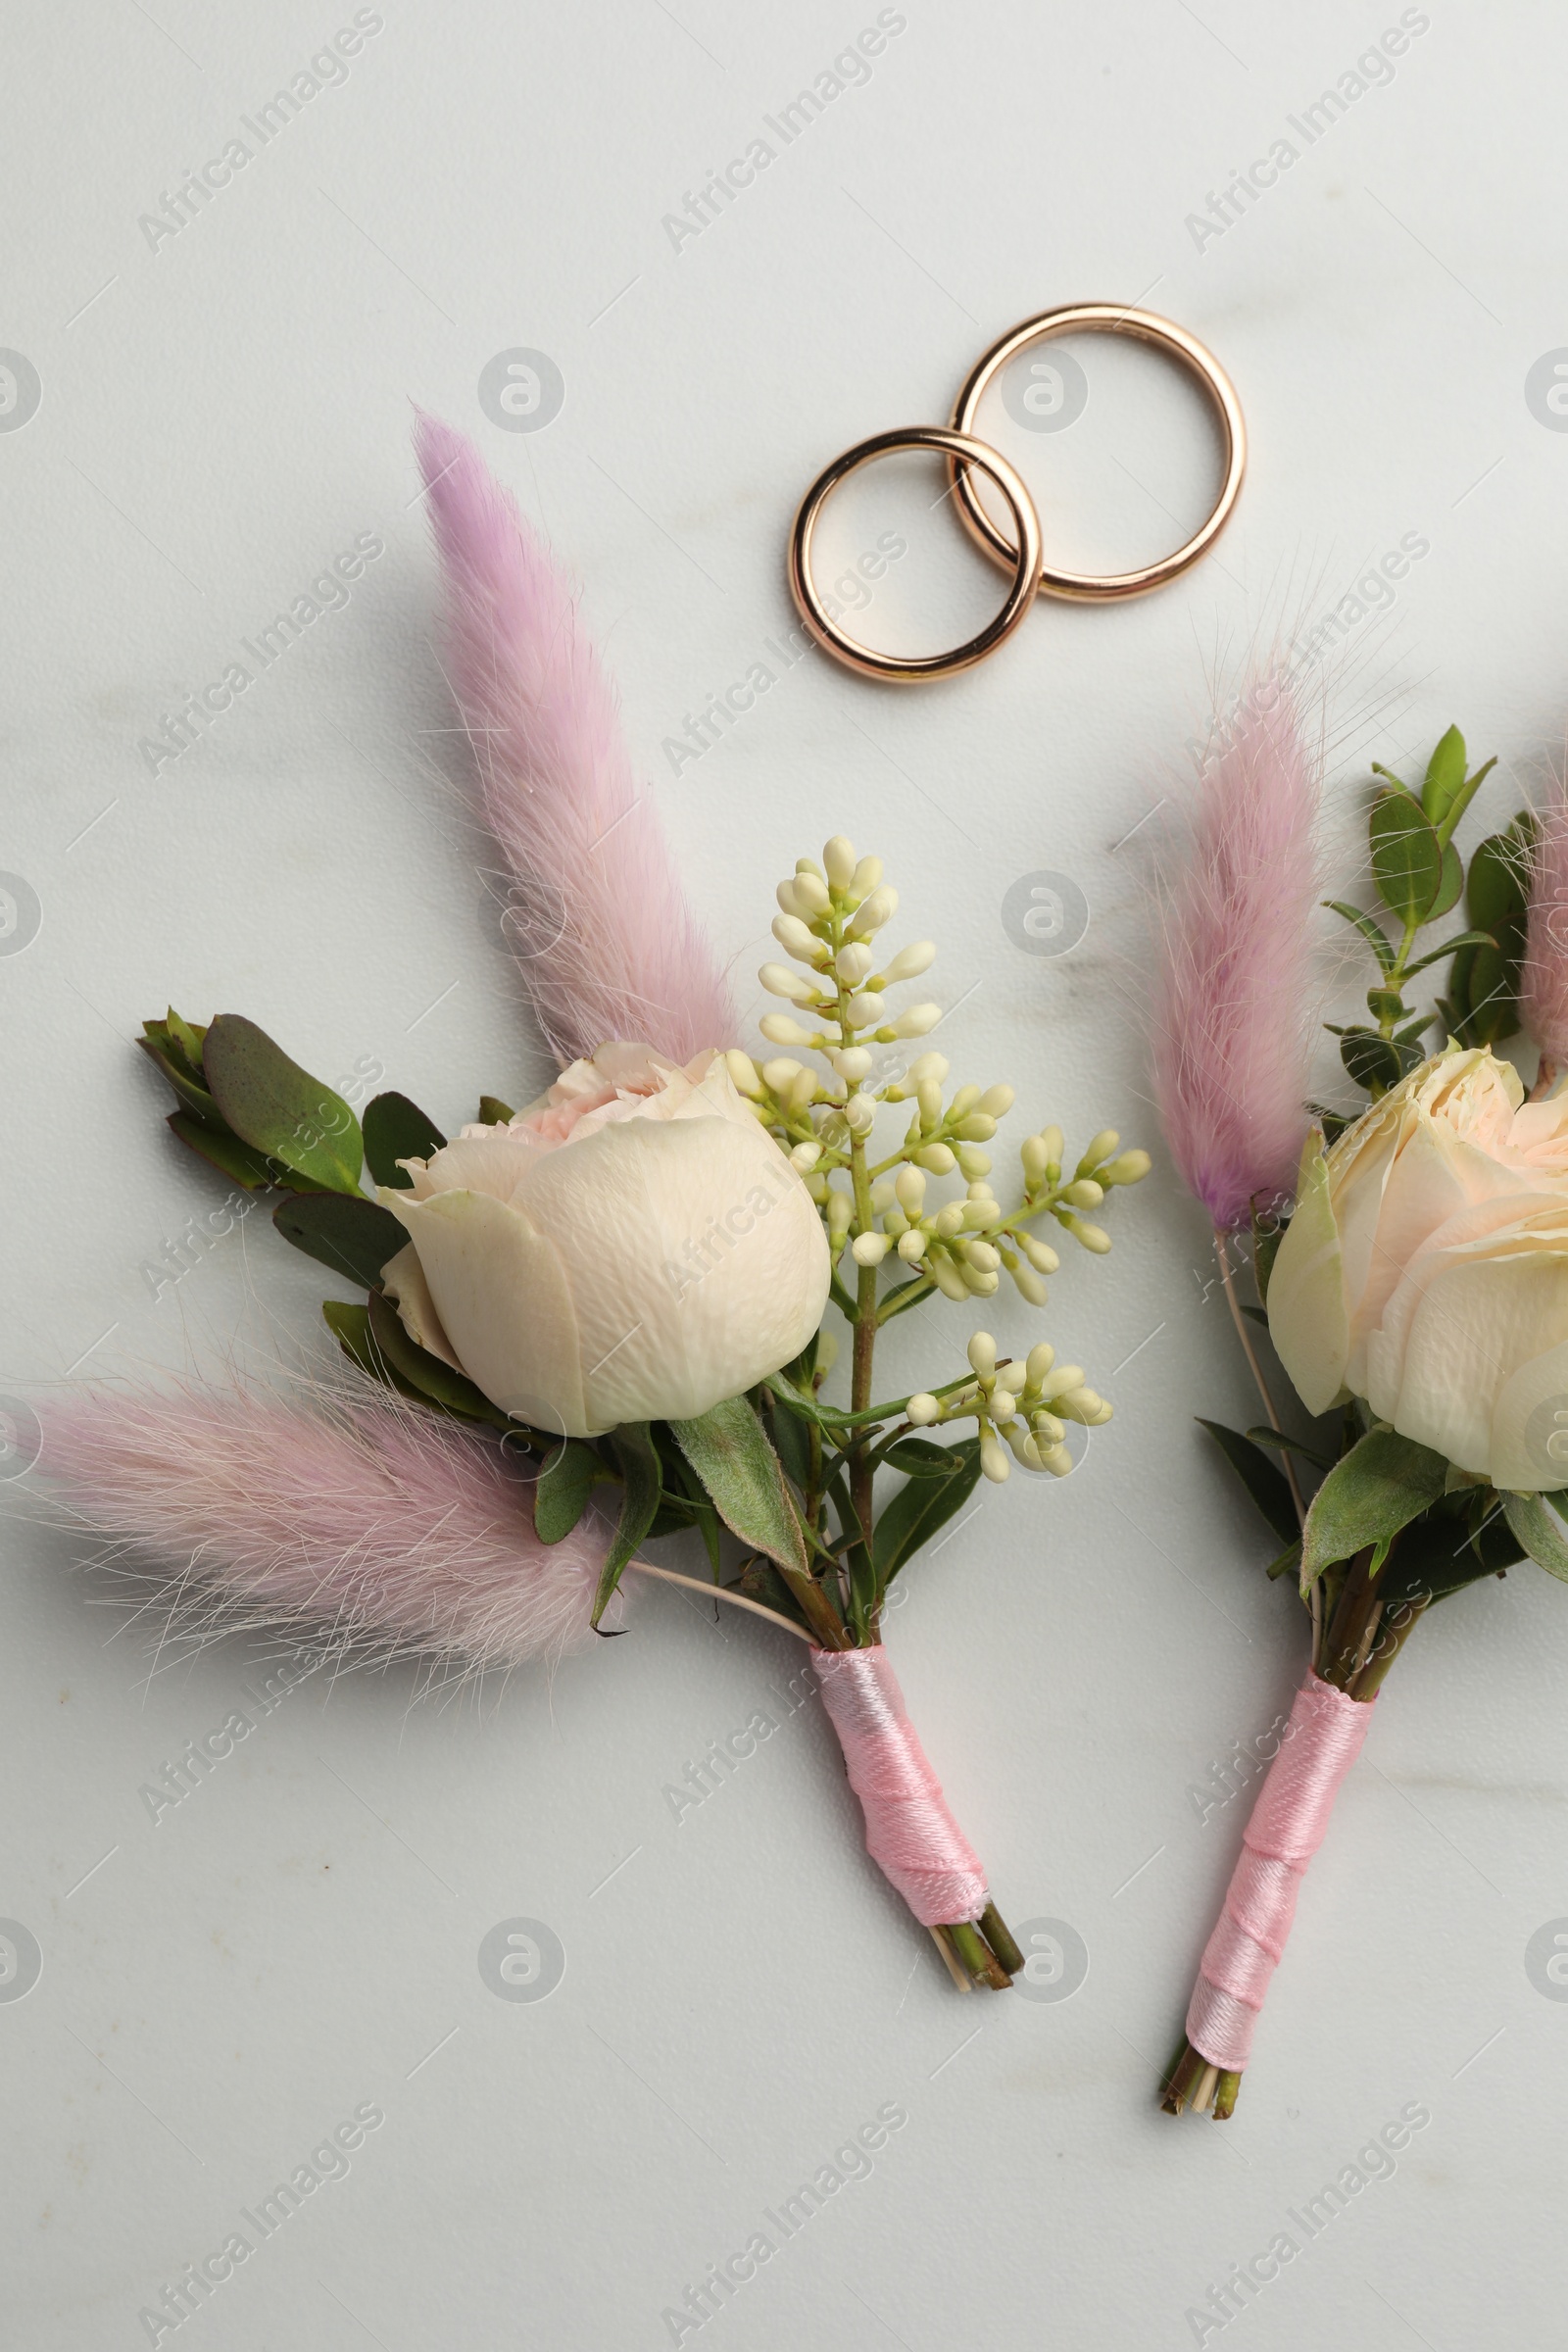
1233	1002
602	930
1543	979
364	1517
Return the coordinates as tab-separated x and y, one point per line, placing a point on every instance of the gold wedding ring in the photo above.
1105	318
960	452
1022	553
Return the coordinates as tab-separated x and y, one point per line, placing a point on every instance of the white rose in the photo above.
1426	1269
633	1246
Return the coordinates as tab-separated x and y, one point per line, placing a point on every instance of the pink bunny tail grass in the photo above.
1232	1015
601	930
364	1517
1543	978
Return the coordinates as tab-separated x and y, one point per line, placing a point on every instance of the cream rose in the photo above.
633	1246
1426	1269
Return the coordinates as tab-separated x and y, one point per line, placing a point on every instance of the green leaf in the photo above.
1495	889
1449	888
1406	855
1465	939
493	1112
1371	931
273	1104
638	1457
1376	1062
349	1326
1289	1558
728	1447
348	1233
1281	1441
922	1507
792	1435
920	1457
1264	1481
425	1375
1444	779
1471	785
1379	1486
760	1581
827	1418
565	1483
225	1152
703	1513
397	1129
163	1048
1540	1531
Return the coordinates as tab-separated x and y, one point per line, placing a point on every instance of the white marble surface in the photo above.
222	411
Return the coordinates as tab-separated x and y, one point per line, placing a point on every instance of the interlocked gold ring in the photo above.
1105	318
961	452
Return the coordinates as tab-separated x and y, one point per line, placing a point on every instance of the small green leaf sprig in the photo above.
1419	877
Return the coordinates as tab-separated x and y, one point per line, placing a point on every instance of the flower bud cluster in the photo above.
1027	1404
829	916
1102	1167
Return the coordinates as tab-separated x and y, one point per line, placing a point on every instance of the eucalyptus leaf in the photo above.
423	1374
273	1104
350	1325
426	1376
1379	1487
1264	1481
397	1129
493	1112
162	1050
346	1232
187	1037
728	1447
226	1153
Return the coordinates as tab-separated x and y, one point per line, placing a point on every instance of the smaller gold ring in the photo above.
1105	318
961	452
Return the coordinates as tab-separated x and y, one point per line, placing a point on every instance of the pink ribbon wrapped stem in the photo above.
1286	1829
910	1833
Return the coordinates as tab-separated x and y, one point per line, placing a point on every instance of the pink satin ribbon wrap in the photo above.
1323	1741
910	1833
